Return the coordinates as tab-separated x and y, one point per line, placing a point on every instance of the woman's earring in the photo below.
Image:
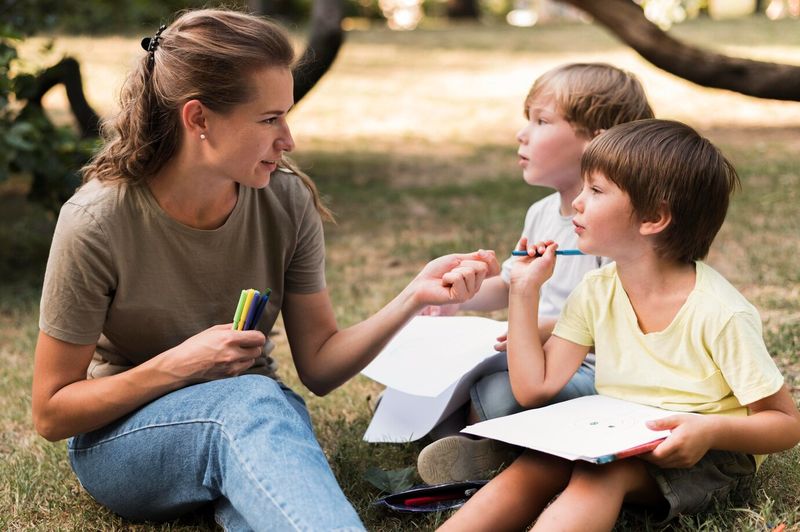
202	136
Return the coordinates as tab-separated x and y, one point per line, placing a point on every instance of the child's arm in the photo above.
773	425
536	372
546	326
493	295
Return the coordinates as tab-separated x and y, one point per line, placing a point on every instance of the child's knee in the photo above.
557	470
621	477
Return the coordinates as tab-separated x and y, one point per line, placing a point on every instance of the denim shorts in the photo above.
716	476
492	397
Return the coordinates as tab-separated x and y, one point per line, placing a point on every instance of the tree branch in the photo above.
68	72
709	69
324	41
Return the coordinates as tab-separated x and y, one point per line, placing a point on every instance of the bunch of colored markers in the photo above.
250	308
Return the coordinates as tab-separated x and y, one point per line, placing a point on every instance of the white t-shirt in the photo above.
544	221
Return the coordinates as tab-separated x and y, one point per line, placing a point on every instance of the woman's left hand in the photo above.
454	278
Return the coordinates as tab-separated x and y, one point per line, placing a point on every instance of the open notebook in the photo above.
428	368
594	428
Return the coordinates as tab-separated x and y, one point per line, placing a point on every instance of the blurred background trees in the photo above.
30	143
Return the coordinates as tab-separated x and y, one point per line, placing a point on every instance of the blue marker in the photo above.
524	253
261	306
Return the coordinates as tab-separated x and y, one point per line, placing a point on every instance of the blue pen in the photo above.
523	253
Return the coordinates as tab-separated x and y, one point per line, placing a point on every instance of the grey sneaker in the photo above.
458	458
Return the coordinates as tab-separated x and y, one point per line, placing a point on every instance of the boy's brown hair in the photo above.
663	163
592	96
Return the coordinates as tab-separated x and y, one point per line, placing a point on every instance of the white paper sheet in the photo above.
431	353
403	417
585	428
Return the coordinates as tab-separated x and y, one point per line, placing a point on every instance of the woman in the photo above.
189	201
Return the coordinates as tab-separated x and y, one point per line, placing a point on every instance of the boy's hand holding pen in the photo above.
534	266
538	252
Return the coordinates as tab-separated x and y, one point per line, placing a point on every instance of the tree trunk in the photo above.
282	10
462	9
68	72
324	41
709	69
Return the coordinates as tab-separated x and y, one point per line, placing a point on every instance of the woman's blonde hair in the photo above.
203	55
592	96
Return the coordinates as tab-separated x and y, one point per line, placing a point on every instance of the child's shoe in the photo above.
458	458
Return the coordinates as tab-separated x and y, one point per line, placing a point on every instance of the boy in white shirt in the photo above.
565	108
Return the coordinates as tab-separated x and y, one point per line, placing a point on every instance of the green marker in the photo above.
239	308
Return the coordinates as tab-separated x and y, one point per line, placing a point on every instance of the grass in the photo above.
410	137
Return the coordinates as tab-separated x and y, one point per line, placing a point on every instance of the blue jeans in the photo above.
244	443
492	397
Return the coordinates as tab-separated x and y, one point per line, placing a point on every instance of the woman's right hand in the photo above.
216	353
454	278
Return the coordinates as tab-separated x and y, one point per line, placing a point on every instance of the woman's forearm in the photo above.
493	295
87	405
326	357
65	403
345	352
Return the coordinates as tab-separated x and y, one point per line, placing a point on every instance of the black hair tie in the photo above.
150	44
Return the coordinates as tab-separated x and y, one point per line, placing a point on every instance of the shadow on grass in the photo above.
365	188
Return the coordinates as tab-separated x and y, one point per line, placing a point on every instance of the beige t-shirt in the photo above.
126	276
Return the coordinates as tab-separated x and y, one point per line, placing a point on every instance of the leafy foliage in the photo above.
10	134
391	481
32	144
29	142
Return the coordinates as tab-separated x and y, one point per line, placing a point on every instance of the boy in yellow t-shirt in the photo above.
668	331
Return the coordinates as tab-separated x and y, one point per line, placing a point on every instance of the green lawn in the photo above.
410	138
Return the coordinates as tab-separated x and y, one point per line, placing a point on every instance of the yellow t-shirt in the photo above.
711	359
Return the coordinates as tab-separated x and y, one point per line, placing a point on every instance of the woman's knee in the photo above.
124	466
250	396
